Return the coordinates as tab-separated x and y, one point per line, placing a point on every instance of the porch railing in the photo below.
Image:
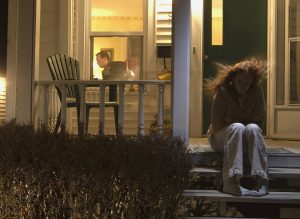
102	84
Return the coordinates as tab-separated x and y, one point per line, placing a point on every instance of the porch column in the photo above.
181	68
20	60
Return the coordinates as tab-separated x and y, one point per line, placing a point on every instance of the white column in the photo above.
121	110
141	110
101	109
44	104
181	67
83	128
20	60
160	119
63	108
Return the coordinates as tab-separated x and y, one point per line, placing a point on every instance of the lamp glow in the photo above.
2	85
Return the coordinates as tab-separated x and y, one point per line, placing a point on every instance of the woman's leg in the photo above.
256	151
217	140
233	151
258	157
229	140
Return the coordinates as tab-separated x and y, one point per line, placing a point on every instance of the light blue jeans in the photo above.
235	140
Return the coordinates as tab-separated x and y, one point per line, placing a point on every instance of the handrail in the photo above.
99	82
61	84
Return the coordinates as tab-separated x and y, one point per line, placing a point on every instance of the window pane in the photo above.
294	38
280	48
294	23
127	49
295	72
116	15
217	22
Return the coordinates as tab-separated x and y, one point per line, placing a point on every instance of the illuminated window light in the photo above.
217	23
2	84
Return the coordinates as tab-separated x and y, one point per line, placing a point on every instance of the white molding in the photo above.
271	56
83	30
196	91
287	59
36	59
117	34
149	50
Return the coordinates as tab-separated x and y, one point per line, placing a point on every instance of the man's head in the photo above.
102	59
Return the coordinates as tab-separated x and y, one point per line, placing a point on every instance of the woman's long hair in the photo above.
226	74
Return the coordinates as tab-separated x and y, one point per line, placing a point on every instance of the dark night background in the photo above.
3	36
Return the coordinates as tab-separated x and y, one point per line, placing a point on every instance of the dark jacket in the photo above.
228	108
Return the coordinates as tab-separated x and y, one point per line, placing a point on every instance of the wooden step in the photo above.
274	172
277	158
222	218
272	197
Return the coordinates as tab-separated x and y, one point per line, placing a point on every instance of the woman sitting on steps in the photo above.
238	115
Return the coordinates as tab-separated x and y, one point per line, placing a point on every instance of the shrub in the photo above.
65	176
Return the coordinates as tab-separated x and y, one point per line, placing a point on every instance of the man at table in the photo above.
118	71
102	59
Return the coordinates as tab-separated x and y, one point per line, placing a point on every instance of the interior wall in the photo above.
117	23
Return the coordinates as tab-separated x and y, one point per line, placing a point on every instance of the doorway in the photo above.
243	34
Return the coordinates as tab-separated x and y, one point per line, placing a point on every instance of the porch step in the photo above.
272	197
274	172
277	158
223	218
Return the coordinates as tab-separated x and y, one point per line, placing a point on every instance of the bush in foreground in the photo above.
64	176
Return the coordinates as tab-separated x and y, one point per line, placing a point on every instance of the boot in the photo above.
232	186
261	188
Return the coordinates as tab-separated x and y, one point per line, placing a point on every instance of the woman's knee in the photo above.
253	128
236	127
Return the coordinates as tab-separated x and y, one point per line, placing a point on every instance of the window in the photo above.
129	49
280	52
217	22
288	52
117	27
294	51
116	15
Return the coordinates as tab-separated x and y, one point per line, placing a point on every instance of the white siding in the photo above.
49	34
2	104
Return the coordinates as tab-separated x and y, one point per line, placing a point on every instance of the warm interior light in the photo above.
101	12
97	72
166	2
217	22
2	84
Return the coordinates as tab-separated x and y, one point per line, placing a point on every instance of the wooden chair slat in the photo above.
63	67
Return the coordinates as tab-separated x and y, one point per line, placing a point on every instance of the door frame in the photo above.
281	115
197	71
196	74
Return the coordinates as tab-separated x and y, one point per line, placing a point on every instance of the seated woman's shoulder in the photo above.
257	89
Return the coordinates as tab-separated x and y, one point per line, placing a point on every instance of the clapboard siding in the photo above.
2	105
48	34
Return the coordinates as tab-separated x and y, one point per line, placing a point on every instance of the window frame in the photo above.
113	34
93	34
